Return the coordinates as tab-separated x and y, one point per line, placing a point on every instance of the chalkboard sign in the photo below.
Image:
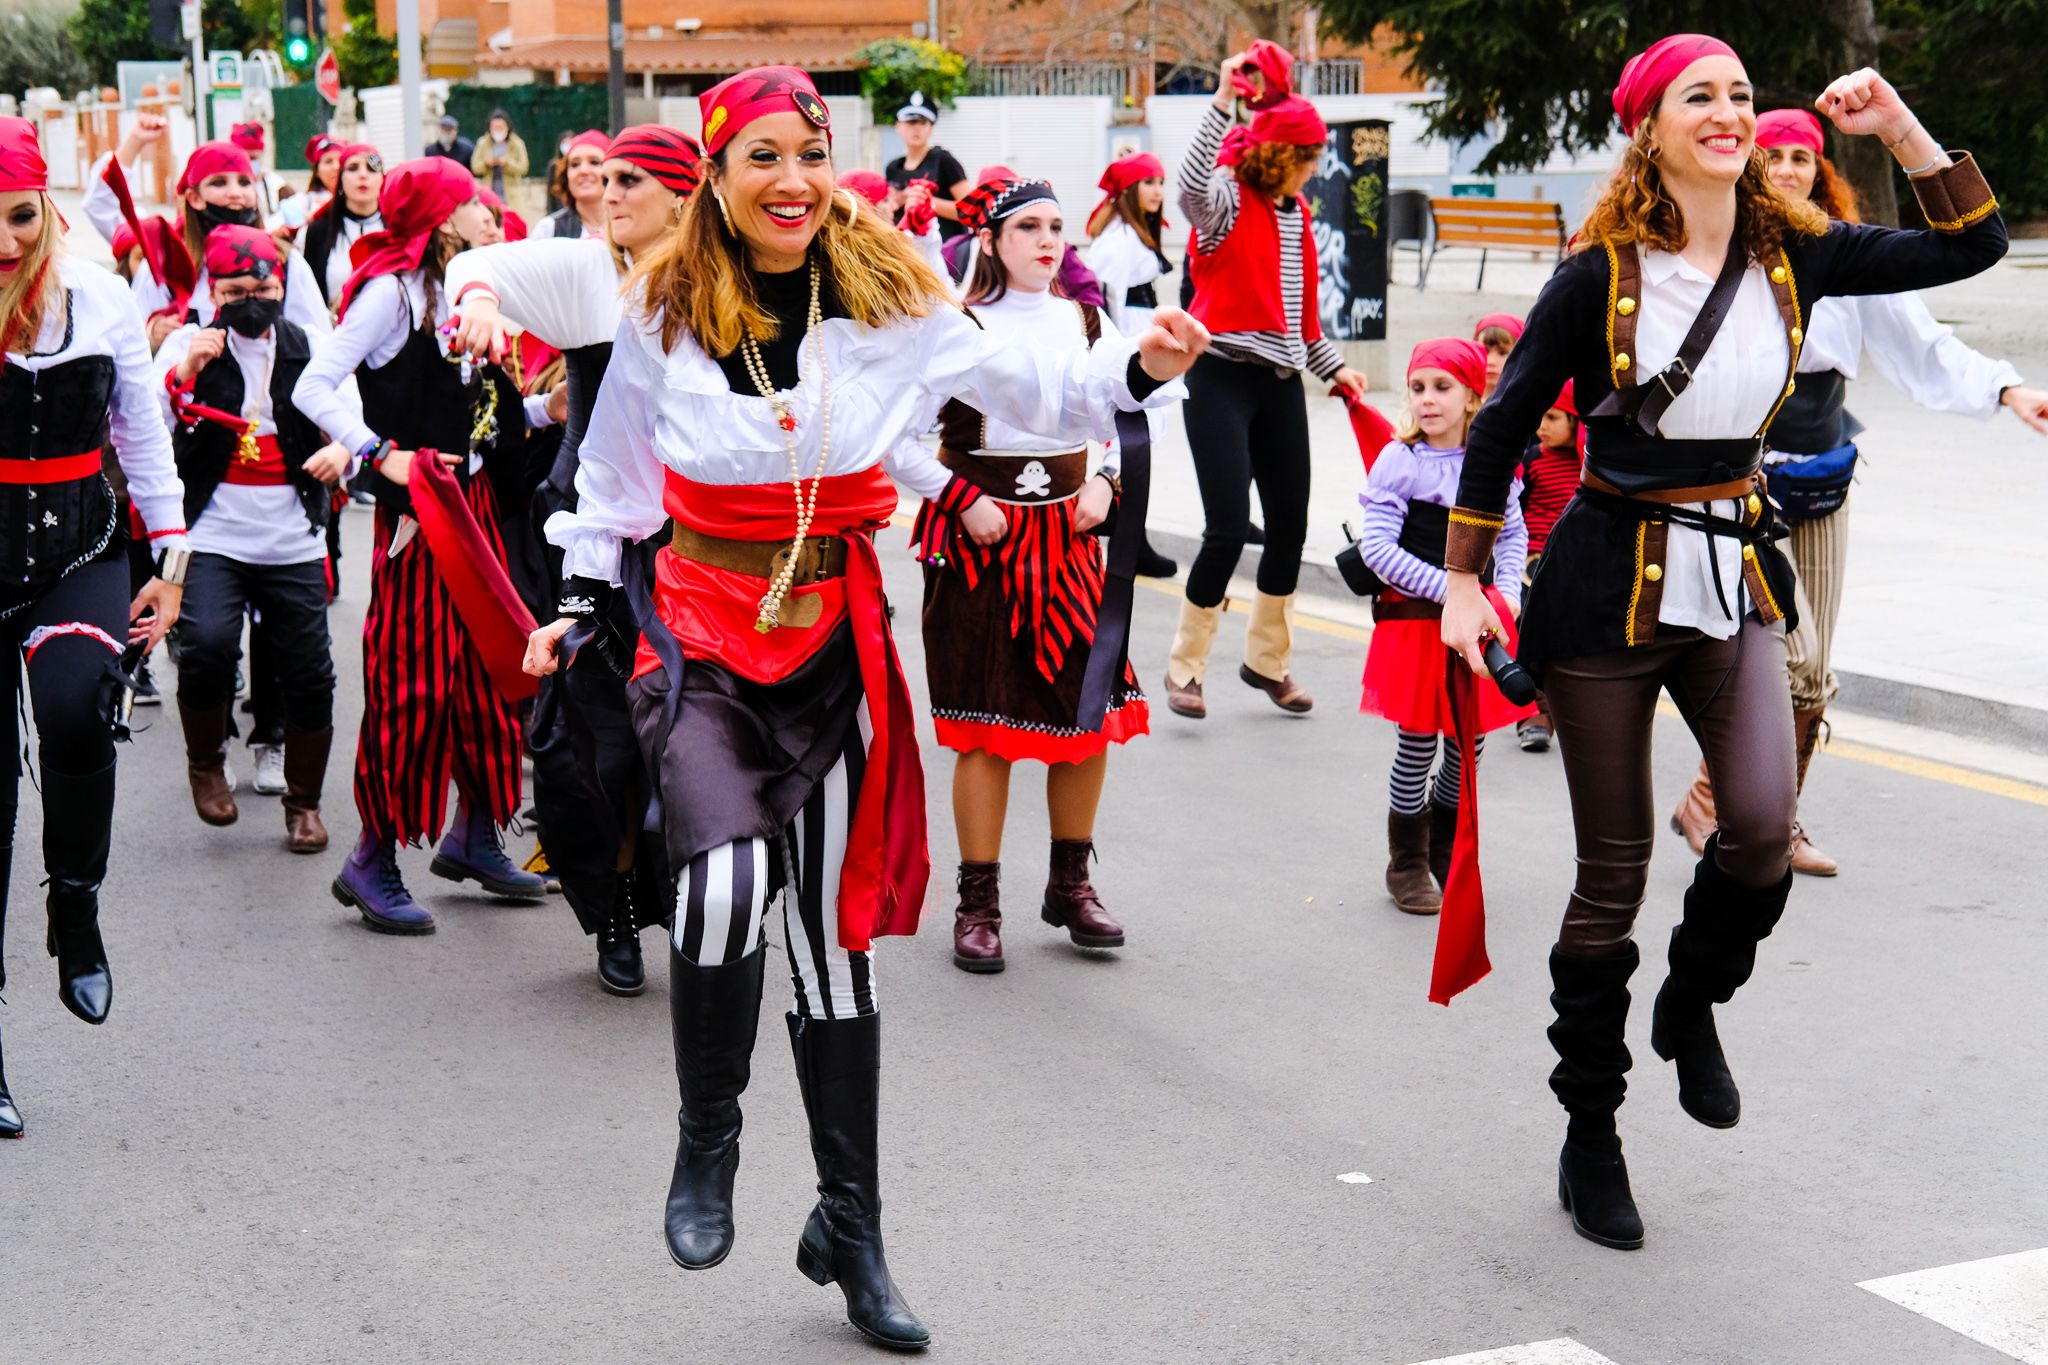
1349	199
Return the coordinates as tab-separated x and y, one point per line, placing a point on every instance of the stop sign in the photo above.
327	76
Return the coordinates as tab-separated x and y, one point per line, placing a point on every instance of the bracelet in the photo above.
1115	482
171	566
1918	127
374	451
1922	170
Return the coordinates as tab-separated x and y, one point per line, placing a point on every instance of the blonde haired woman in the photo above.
780	355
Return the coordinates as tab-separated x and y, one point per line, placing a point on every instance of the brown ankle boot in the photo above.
1408	878
1807	859
978	922
1443	832
206	760
1188	661
1694	817
1071	902
305	772
1269	651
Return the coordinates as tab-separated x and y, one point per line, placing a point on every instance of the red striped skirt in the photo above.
430	714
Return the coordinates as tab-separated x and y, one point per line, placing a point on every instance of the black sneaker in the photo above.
1533	736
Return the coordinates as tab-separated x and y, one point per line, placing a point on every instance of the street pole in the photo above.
411	141
199	81
931	23
615	77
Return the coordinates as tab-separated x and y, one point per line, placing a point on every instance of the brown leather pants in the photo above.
1604	704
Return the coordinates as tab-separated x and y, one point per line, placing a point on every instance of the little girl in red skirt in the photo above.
1408	494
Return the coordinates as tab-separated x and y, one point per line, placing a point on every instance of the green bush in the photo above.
894	68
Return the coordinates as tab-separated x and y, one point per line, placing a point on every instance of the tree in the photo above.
110	31
366	56
893	68
36	49
1479	54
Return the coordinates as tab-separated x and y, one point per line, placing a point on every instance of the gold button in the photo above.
1798	335
1653	572
1621	360
1749	552
1790	385
1625	307
1777	274
1756	504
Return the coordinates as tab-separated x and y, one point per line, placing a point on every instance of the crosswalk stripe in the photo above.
1560	1351
2001	1302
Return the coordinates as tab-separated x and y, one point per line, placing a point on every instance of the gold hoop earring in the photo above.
676	210
852	205
724	212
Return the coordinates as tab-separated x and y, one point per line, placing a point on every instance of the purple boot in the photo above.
472	853
369	881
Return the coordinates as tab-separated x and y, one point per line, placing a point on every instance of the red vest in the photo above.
1237	285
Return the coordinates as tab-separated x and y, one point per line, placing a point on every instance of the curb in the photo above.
1930	708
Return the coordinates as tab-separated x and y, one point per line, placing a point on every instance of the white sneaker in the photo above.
269	780
227	772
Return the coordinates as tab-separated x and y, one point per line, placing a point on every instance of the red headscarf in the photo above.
1125	172
736	101
1293	120
1462	360
417	198
1275	64
869	185
515	226
589	137
21	157
669	156
124	242
238	250
1507	322
247	136
1797	127
1650	71
1566	400
346	150
214	158
318	146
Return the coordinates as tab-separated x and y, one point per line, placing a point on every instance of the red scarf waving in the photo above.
1461	959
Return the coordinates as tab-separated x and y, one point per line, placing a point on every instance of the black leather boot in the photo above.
619	966
78	824
10	1117
1591	998
1713	951
839	1067
715	1012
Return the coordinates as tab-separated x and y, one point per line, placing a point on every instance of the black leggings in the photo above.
1247	423
69	637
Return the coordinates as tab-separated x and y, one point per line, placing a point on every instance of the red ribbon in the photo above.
1461	959
168	260
489	607
1373	430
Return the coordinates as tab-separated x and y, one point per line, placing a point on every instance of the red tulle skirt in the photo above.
1404	677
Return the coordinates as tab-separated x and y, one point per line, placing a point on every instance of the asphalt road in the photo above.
296	1140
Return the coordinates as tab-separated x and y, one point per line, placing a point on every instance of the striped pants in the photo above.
1820	558
430	714
722	896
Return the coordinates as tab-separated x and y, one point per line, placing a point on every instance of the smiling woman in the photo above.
781	353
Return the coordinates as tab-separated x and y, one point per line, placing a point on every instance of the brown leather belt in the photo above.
1020	477
819	558
1713	492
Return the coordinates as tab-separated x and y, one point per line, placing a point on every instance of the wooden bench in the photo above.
1510	224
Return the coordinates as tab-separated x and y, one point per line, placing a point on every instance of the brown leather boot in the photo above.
1443	832
1694	817
1188	661
206	761
1805	857
978	922
1071	902
1408	878
305	772
1268	652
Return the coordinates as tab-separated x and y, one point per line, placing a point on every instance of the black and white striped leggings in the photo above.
722	896
1409	787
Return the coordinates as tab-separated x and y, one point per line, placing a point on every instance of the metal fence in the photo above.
1332	76
1075	78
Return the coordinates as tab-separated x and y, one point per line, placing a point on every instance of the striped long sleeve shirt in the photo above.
1210	202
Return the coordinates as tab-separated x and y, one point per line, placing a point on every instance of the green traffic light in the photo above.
297	50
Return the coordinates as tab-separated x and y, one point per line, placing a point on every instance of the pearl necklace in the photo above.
785	417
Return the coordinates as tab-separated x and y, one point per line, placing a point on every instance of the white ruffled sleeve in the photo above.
619	476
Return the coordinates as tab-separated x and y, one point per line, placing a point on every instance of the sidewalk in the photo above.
1945	621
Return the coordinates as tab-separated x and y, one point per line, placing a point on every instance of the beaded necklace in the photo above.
785	417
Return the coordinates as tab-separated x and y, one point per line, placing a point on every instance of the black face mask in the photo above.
251	317
213	216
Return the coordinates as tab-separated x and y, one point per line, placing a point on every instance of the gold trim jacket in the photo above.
1598	587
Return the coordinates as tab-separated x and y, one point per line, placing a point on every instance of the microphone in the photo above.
1512	679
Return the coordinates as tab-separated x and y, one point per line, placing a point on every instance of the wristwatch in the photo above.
171	566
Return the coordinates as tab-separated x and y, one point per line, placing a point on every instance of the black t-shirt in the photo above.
940	167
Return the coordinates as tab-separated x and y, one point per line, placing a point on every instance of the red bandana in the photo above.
1507	322
1293	120
214	158
247	136
735	102
21	157
1274	65
1124	173
671	157
1649	72
319	145
589	137
417	197
237	250
1789	127
869	185
1462	360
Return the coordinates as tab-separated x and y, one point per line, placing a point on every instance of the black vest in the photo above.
206	448
1813	419
49	528
418	401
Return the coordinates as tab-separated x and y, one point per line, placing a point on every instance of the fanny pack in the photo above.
1808	487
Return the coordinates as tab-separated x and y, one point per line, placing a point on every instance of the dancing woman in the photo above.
1662	574
589	790
1814	432
781	353
345	219
76	372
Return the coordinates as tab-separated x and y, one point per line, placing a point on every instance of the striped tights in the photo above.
1409	787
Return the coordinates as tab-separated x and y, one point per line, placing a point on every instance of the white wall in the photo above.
1061	138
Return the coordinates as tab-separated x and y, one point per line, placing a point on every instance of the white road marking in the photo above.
1355	1178
2001	1302
1562	1351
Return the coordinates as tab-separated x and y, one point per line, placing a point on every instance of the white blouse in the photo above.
1121	260
1734	388
674	410
1043	322
104	321
1920	356
565	290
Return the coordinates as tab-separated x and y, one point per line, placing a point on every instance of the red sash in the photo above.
485	601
